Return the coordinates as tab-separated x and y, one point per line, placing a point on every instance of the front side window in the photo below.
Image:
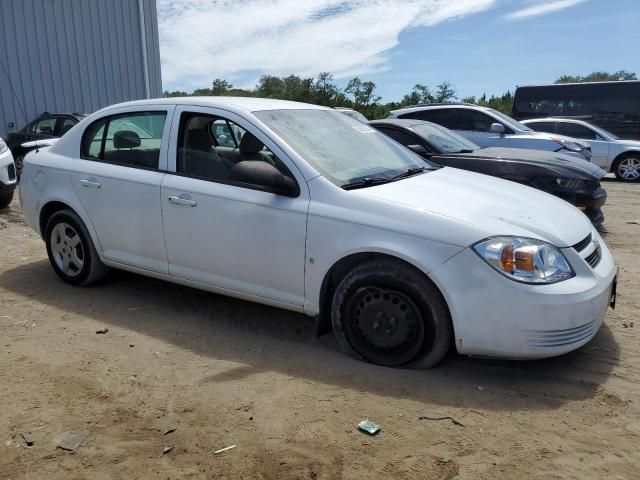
399	136
340	148
209	147
474	121
45	126
131	139
65	124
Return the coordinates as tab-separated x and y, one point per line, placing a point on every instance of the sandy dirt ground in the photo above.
226	372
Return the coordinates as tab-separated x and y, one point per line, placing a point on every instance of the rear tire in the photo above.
71	251
627	168
390	314
5	200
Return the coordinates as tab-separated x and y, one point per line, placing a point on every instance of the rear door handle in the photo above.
183	200
90	183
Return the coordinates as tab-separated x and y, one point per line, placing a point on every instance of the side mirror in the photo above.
263	174
497	128
419	149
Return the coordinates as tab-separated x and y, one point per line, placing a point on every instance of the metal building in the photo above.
75	56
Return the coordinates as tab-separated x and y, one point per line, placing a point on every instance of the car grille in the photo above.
560	338
582	244
12	172
594	258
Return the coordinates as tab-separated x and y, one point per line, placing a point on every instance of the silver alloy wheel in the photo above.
66	249
629	168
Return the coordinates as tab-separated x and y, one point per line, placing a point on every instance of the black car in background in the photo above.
47	125
574	180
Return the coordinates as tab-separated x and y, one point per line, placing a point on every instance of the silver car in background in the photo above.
611	153
487	127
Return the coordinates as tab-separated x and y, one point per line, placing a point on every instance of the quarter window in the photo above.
131	139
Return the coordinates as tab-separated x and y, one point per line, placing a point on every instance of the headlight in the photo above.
572	146
525	259
570	183
3	146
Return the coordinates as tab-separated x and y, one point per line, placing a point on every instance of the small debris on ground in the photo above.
167	449
627	324
633	223
70	441
480	388
131	345
170	430
27	439
455	422
224	449
367	426
102	331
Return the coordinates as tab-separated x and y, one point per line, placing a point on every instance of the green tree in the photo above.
363	95
445	92
598	77
220	87
419	94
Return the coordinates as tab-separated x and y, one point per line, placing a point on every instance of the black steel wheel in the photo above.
389	313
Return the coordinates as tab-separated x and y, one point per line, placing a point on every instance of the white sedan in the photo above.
611	153
310	210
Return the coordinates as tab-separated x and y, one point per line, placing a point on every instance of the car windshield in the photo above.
514	124
444	139
342	149
355	114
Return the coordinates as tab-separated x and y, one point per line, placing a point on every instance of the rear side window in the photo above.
576	131
447	117
45	126
131	139
549	127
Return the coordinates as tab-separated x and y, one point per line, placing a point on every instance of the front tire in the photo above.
19	162
5	200
390	314
71	251
627	168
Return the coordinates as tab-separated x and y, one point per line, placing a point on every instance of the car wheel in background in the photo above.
71	251
5	200
18	160
390	314
627	168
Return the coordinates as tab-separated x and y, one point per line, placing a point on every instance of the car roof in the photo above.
400	122
250	104
439	106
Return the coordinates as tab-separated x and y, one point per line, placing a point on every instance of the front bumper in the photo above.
496	317
589	201
8	178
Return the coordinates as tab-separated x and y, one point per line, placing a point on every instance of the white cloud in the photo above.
204	39
542	7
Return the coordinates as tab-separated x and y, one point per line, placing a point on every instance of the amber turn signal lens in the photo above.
506	258
524	261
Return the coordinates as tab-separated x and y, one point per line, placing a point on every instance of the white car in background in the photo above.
487	127
8	175
611	153
318	213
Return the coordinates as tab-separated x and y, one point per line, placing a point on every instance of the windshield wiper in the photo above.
465	151
408	173
366	182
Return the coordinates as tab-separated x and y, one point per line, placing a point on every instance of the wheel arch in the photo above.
55	204
341	268
621	156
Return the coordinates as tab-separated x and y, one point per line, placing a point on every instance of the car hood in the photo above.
489	205
628	143
561	162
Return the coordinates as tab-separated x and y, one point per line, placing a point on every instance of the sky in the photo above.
480	46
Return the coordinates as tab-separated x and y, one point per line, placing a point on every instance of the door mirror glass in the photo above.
262	174
497	128
419	149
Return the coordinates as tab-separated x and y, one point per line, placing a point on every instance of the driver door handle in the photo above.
90	183
183	200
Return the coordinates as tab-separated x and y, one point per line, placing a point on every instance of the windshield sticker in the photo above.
363	128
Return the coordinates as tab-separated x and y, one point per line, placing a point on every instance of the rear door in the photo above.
225	234
117	178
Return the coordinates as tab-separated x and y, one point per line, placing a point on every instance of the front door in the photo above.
118	178
222	233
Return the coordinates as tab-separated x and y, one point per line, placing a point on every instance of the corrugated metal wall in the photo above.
73	56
